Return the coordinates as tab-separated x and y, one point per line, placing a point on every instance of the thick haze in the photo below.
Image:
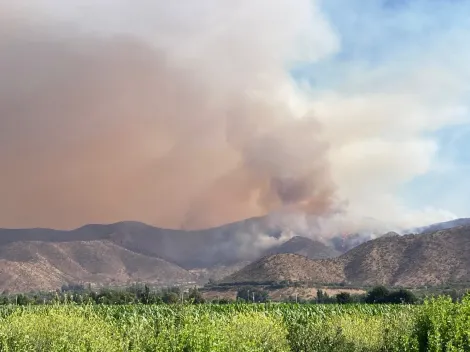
184	114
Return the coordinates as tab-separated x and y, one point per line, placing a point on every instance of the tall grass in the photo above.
438	325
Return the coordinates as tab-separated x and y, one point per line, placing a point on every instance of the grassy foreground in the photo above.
438	325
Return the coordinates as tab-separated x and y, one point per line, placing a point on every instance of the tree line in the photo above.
144	294
80	294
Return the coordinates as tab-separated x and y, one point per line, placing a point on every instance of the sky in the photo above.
192	115
395	37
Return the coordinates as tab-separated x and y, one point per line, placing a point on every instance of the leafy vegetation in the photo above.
252	294
382	295
437	325
143	294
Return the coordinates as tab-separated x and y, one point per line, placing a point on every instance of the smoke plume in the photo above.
183	114
136	111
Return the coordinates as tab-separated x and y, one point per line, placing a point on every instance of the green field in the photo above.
438	325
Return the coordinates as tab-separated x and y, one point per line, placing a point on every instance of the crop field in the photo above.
438	325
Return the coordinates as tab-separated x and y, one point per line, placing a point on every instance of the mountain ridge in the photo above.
224	245
411	260
26	266
175	257
166	256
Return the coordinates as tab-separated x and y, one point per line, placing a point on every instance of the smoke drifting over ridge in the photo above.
185	115
183	124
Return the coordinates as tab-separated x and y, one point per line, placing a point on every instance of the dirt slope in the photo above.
289	267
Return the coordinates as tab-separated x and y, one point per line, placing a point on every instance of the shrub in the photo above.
443	325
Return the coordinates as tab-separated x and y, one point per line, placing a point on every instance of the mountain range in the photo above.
428	259
127	252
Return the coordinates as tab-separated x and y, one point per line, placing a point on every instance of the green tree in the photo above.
252	294
195	296
344	298
401	296
224	301
22	300
322	297
145	295
4	299
170	297
378	294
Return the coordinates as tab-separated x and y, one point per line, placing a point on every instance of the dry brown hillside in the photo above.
413	260
127	252
26	266
296	245
130	251
226	245
289	267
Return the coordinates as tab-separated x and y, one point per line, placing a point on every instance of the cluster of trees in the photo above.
143	294
377	295
80	294
381	294
252	294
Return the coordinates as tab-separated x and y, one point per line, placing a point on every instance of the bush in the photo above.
250	294
378	294
444	326
344	298
382	295
195	296
401	296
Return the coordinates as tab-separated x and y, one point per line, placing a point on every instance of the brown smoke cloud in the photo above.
183	114
98	126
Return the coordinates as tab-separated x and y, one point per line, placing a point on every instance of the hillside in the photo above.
33	265
413	260
227	245
132	251
288	267
217	272
441	226
306	247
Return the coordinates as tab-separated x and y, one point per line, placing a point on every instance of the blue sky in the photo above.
382	39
